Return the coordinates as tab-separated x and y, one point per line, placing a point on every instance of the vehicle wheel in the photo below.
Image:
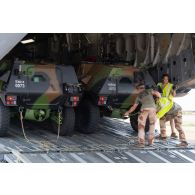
68	122
4	120
134	120
87	117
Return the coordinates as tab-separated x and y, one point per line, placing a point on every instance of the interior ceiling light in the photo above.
27	41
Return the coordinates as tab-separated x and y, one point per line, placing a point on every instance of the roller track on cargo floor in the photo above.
113	143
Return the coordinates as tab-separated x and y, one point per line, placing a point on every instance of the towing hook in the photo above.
60	109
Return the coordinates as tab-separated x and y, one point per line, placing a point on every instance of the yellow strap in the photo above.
168	89
165	105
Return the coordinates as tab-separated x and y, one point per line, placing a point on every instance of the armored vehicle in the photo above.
109	90
40	92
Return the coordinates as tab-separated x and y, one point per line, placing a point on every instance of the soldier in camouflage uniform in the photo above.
176	114
148	109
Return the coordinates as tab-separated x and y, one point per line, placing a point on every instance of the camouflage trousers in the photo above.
151	113
178	125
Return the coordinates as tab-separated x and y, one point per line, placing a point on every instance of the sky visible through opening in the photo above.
187	102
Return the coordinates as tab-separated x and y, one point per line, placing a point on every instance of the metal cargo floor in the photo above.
114	142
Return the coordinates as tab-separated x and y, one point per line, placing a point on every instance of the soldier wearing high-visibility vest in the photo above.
166	102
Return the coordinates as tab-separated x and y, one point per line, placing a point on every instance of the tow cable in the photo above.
22	124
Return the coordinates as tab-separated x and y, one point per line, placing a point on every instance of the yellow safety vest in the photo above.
166	91
166	101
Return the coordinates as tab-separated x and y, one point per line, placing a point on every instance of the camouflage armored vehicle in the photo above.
109	90
40	92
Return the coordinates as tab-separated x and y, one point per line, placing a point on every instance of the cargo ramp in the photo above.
113	143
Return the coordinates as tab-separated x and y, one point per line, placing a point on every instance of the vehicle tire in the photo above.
134	120
68	122
87	117
4	119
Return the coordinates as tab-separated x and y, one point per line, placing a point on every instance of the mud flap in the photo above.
87	117
4	119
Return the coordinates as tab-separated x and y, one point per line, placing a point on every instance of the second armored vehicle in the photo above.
109	90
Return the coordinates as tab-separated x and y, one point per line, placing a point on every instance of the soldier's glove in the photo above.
126	115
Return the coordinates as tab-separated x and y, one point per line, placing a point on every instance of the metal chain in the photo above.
59	122
23	131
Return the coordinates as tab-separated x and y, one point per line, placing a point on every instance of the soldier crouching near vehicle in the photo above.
176	114
148	109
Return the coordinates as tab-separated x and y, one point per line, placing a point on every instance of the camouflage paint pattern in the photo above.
53	91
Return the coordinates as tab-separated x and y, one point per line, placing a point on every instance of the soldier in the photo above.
148	109
167	90
175	114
